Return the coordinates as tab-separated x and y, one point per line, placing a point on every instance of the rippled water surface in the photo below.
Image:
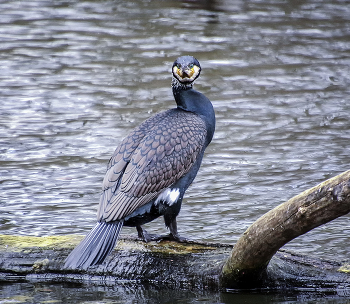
77	76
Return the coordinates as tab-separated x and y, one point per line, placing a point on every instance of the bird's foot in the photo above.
176	238
151	238
147	237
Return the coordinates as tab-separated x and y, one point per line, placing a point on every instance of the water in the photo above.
77	76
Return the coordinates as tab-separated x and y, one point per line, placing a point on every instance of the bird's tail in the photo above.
95	247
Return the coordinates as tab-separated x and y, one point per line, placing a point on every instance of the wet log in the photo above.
252	262
164	264
252	253
168	265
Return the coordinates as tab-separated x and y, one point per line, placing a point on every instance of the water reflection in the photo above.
77	76
127	294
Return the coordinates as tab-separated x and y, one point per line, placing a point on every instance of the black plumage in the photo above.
151	169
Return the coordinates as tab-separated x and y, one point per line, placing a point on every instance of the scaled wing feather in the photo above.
172	142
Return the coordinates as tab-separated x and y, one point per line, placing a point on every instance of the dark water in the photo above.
38	293
77	76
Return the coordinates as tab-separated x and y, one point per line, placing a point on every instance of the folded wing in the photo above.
152	158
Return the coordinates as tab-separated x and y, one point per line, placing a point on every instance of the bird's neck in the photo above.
193	101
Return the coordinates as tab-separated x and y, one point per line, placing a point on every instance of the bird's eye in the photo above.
191	66
178	65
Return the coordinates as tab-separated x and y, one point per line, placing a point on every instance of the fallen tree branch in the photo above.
162	265
195	265
168	264
312	208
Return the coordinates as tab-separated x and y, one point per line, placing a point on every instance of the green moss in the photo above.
166	247
14	242
18	299
344	268
177	248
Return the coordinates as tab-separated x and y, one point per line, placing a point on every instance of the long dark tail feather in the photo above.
96	246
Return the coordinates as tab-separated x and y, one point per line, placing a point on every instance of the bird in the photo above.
151	169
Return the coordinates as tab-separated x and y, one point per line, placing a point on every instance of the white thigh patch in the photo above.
170	196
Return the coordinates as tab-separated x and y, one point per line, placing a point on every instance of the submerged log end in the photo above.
233	276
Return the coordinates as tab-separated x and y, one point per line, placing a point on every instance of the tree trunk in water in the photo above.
255	248
194	265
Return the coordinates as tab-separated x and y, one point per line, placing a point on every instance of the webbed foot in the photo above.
147	237
176	238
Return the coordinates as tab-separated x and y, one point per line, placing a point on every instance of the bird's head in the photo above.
186	70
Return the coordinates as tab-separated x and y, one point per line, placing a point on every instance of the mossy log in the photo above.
252	262
168	264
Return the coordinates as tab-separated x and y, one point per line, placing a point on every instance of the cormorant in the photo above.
151	169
